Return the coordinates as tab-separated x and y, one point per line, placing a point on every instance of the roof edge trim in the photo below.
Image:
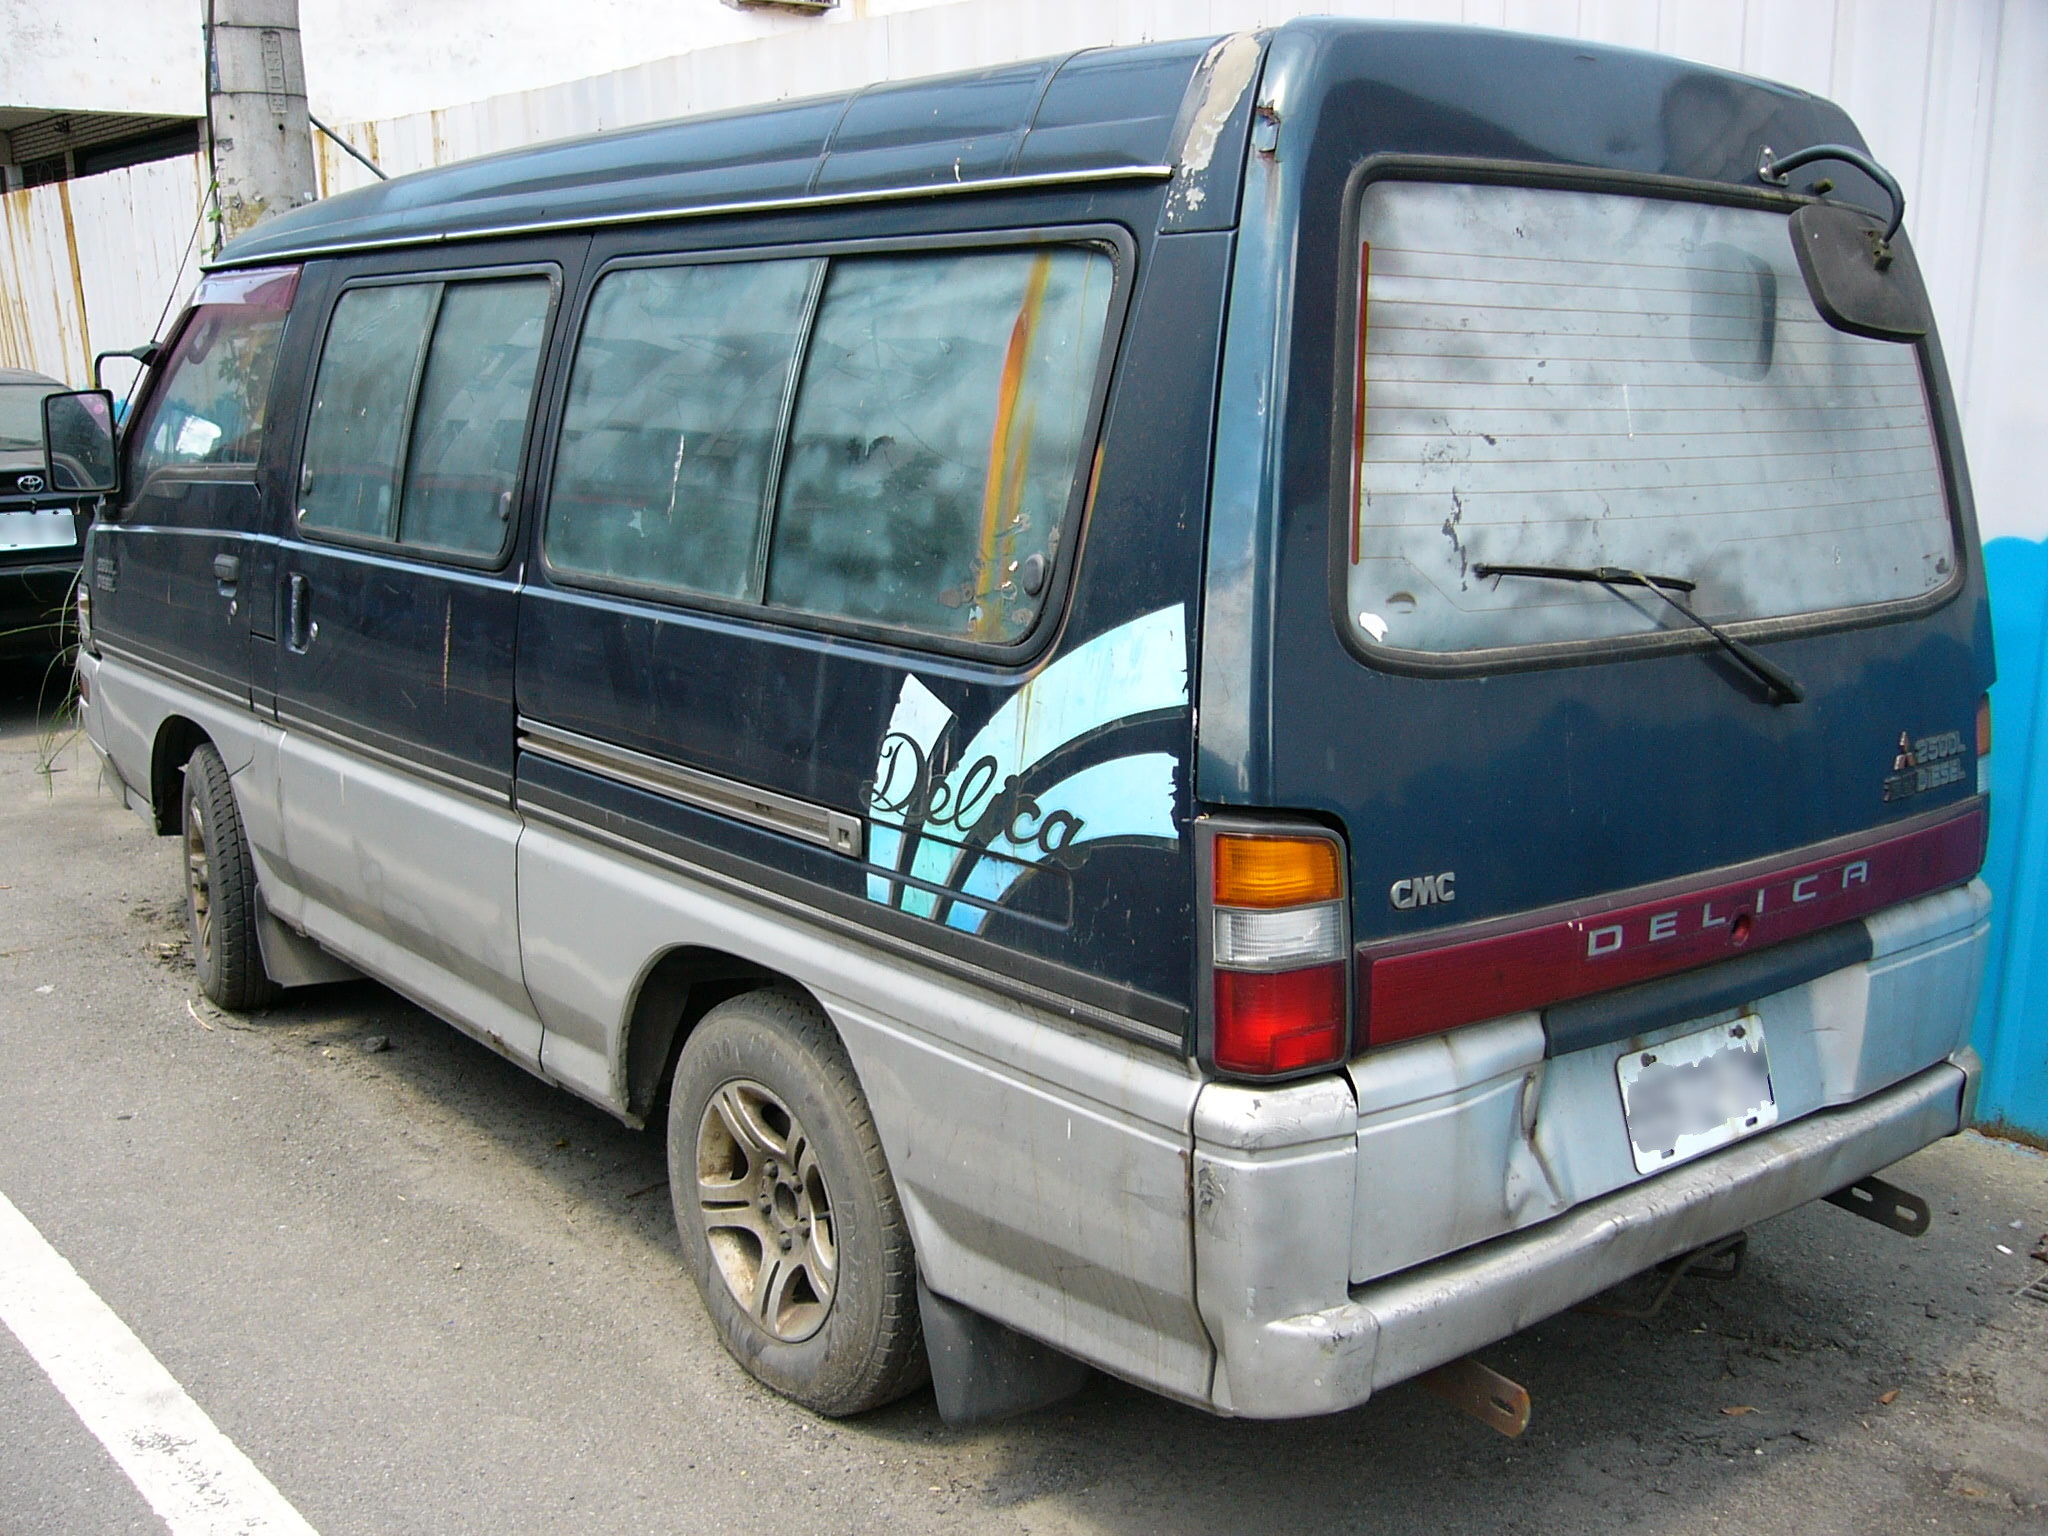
268	256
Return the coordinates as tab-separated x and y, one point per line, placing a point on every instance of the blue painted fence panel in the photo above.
2012	1022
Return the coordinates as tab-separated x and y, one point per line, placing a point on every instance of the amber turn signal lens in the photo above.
1984	726
1275	871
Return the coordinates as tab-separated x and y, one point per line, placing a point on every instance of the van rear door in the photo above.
1657	547
1565	451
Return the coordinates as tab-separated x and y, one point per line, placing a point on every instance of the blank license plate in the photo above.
1696	1093
38	530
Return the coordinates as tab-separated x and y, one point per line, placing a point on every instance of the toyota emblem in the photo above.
30	483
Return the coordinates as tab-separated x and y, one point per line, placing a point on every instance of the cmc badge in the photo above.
1928	763
1424	890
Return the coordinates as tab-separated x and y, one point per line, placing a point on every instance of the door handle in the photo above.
299	628
227	570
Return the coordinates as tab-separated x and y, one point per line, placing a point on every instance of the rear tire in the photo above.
220	888
788	1216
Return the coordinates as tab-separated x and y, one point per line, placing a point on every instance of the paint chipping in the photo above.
1229	67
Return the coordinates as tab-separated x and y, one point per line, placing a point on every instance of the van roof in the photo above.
1174	113
1102	113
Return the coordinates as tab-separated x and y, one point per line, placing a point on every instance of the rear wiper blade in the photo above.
1780	684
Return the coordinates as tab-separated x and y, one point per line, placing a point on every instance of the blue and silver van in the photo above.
1245	711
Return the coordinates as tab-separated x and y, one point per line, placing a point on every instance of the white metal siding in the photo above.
1948	92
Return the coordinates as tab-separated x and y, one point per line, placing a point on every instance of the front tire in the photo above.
788	1216
220	888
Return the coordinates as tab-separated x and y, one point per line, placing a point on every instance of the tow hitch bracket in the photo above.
1718	1260
1487	1395
1886	1204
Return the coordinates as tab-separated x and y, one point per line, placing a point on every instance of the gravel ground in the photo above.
426	1293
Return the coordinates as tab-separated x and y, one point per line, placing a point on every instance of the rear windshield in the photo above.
1590	379
21	415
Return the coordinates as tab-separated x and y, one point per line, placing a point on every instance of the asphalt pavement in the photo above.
423	1292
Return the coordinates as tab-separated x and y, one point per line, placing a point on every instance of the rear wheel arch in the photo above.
675	992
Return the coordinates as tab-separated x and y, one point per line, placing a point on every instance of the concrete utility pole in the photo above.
259	145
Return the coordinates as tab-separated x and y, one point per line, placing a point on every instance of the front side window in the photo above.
918	479
1560	378
213	391
420	410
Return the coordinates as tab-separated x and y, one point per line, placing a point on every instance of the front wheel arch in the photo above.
177	738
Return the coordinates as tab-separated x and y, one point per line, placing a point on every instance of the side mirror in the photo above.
1857	266
1862	282
78	442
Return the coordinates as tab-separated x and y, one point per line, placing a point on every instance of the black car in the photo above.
40	531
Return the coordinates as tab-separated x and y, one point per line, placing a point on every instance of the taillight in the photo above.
1984	745
1277	940
84	605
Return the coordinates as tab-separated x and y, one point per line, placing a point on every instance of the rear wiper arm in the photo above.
1780	684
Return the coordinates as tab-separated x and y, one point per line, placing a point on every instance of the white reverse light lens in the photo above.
1279	939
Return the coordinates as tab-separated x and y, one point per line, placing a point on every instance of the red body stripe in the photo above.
1417	987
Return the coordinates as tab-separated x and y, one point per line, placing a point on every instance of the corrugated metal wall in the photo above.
92	264
1949	92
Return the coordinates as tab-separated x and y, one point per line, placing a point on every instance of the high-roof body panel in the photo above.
1099	112
1174	111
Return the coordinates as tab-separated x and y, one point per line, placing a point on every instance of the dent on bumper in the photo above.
1337	1356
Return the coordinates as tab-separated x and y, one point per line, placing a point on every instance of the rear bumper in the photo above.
1334	1357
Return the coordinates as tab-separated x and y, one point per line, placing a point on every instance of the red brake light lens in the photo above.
1272	1022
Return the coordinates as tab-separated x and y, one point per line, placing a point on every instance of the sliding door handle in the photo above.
299	628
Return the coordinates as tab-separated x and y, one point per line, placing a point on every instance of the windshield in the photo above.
21	416
1595	380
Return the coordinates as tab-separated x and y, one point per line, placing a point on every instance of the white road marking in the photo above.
191	1473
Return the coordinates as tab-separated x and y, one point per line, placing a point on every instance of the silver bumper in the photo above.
1334	1357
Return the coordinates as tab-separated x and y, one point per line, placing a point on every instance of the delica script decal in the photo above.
971	823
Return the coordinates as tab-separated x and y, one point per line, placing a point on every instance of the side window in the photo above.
348	481
669	435
937	432
420	410
469	433
208	407
931	451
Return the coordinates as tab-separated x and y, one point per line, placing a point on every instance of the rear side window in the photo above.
891	440
938	428
1587	379
420	411
208	408
670	430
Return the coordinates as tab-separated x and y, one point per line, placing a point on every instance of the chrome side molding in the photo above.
828	828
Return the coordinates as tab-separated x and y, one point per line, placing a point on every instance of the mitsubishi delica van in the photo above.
1245	712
